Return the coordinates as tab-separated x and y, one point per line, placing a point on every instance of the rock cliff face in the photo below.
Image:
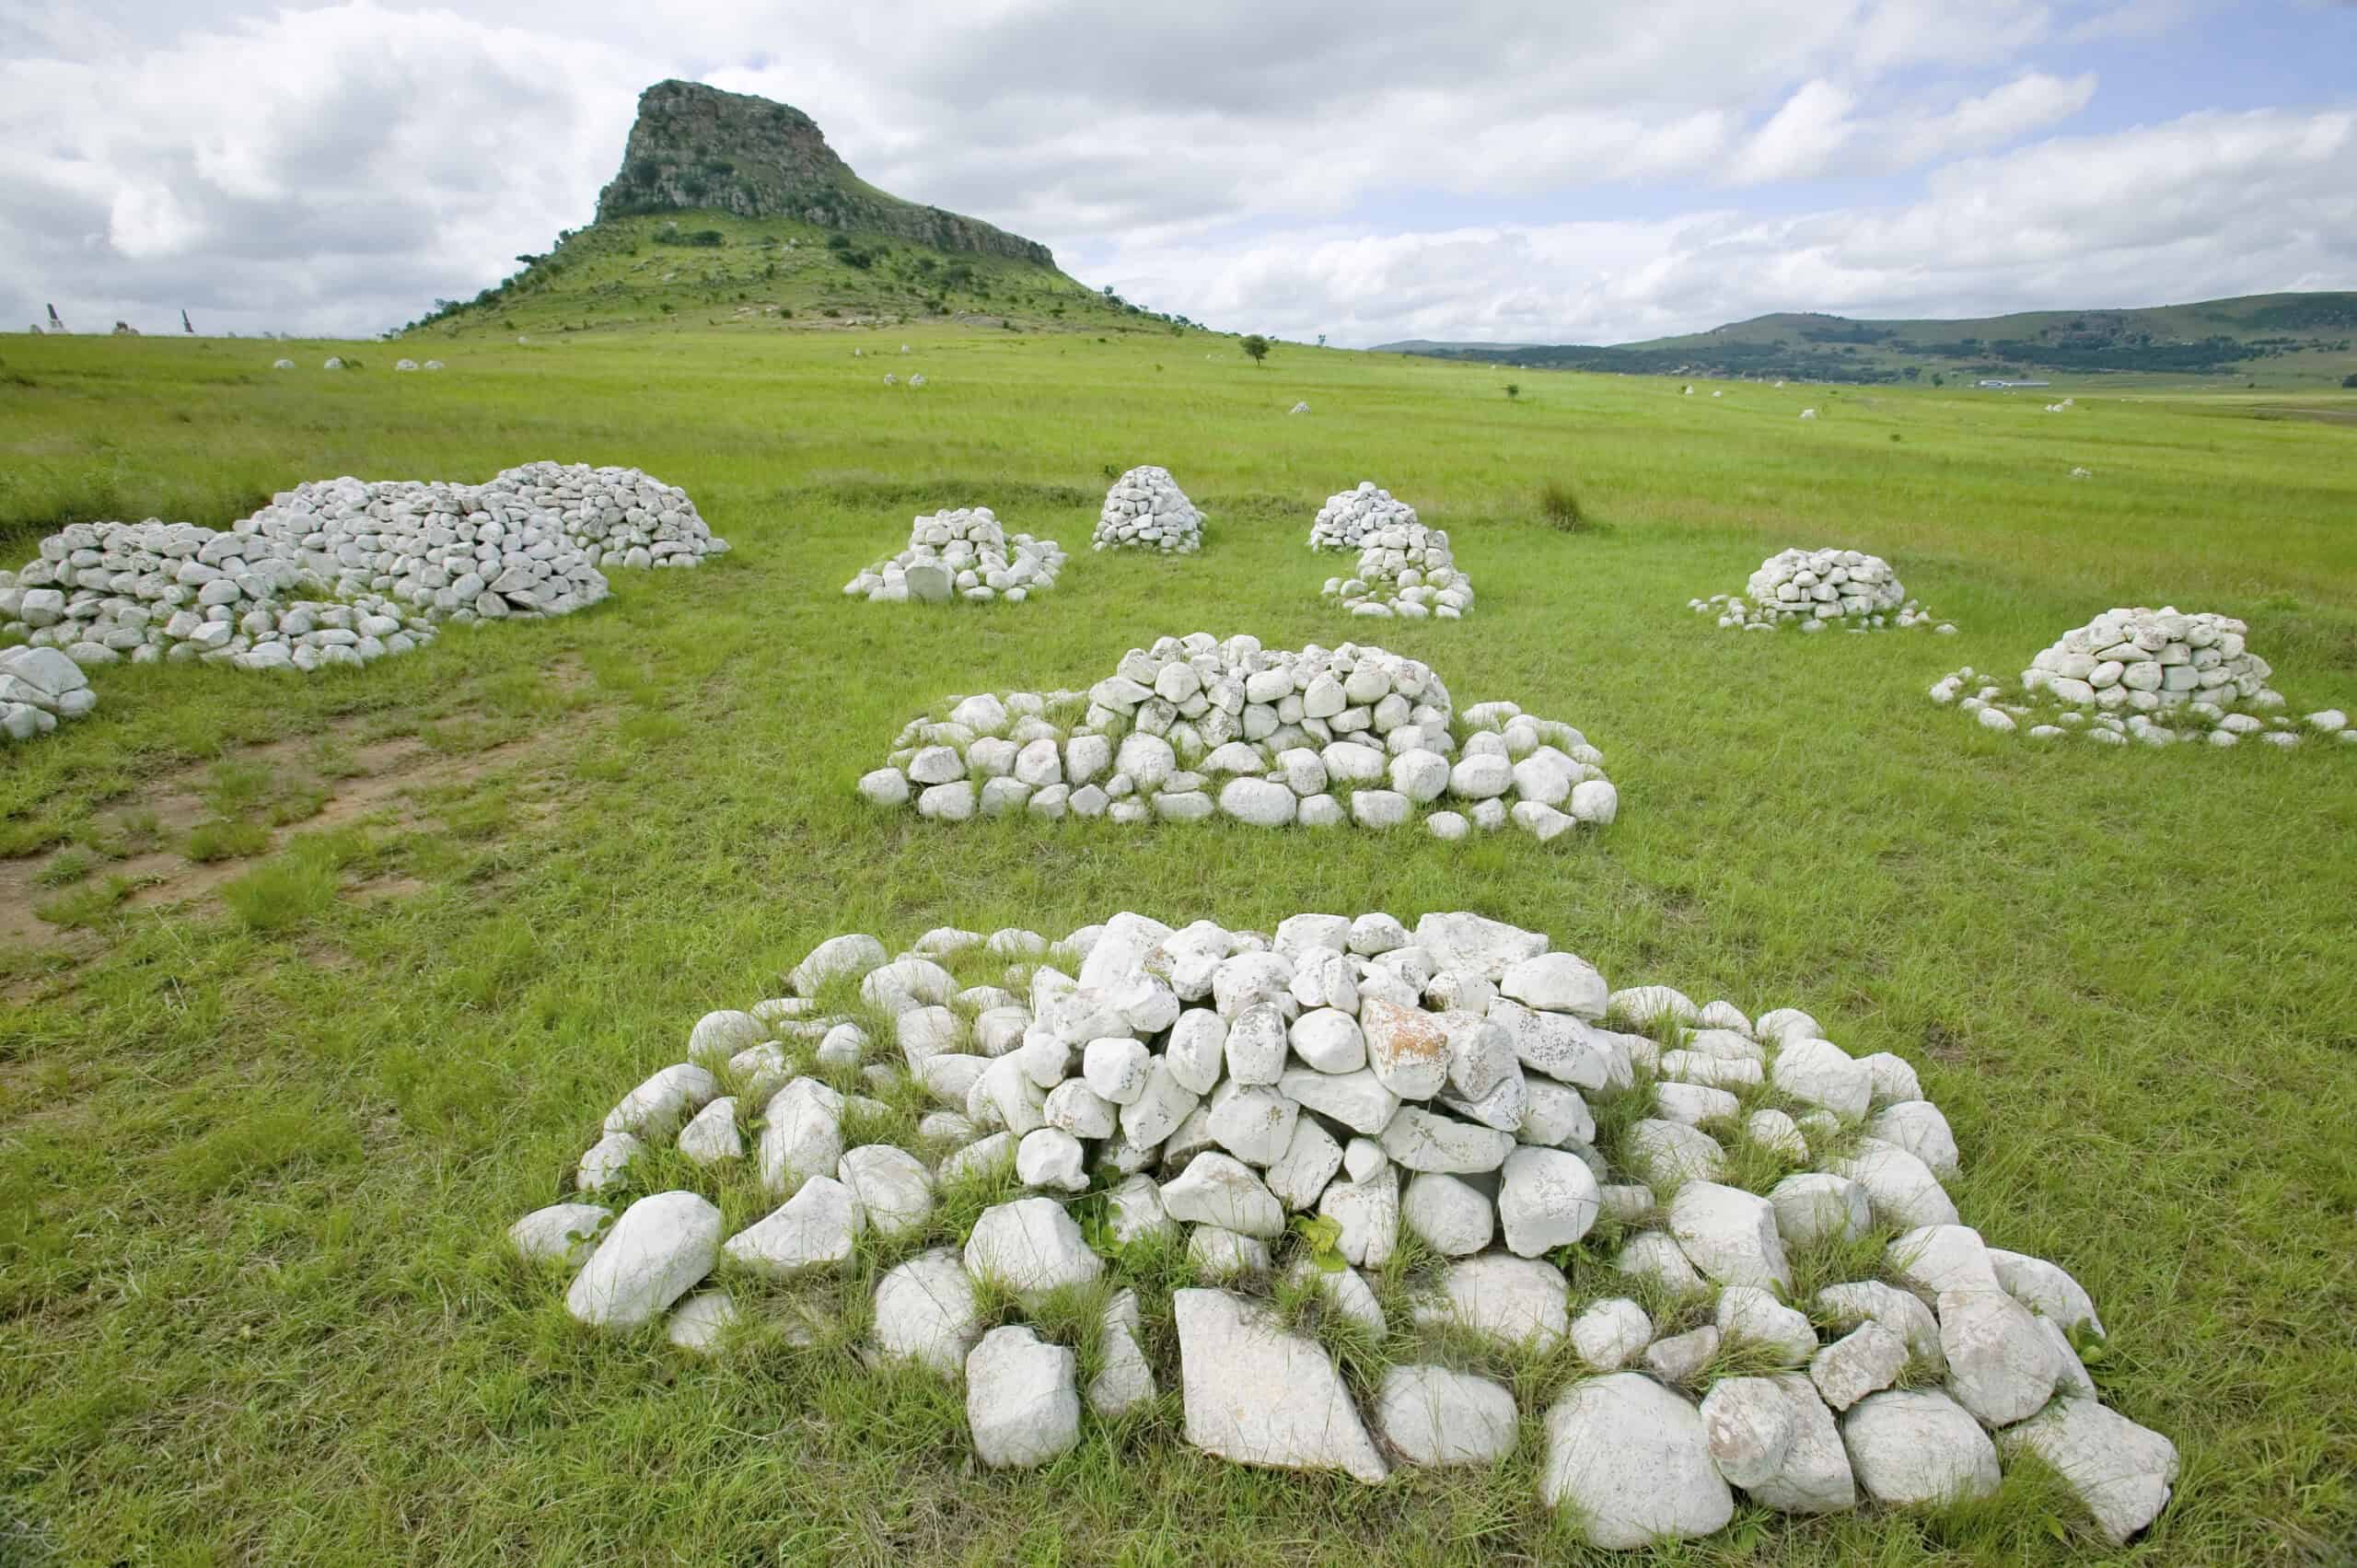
693	146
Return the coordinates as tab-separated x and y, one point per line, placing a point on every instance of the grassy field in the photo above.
308	988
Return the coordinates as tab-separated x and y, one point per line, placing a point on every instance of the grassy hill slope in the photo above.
709	269
2272	338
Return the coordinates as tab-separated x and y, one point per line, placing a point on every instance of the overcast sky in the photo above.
1513	170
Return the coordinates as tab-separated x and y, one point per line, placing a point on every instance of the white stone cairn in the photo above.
1146	510
1194	727
2147	677
1350	518
344	571
1218	1088
1406	571
961	553
1816	589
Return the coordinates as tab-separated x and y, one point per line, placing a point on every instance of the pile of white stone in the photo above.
39	687
965	553
1406	571
343	572
1194	727
1350	518
1207	1091
1146	510
1819	588
2151	676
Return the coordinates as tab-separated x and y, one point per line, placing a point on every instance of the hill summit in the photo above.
732	210
697	148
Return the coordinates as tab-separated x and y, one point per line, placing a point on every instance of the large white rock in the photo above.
816	1228
1729	1235
1300	1174
1773	1437
1257	1395
838	957
1435	1416
1900	1189
1899	1311
721	1035
2001	1365
657	1107
1406	1048
2040	1286
1917	1126
1818	1072
1368	1211
1867	1359
1467	941
1133	1212
1914	1447
1633	1462
1124	1379
1748	1315
925	1312
1428	1140
1518	1303
1358	1100
893	1187
1668	1153
1219	1189
1252	1123
1031	1247
1610	1333
1547	1198
2120	1470
803	1136
711	1136
1022	1401
562	1233
1814	1206
1557	982
1453	1218
655	1254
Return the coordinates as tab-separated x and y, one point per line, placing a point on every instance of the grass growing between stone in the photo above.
262	1129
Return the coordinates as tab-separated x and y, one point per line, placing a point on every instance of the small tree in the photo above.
1514	391
2350	379
1321	340
1256	348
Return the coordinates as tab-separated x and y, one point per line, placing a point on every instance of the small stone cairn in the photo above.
1350	518
964	553
343	572
39	687
1405	570
1817	589
1283	1110
1146	510
2150	676
1194	727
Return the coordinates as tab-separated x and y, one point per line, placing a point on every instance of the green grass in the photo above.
253	1300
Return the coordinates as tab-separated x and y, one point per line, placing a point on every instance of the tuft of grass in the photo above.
225	840
67	866
1558	508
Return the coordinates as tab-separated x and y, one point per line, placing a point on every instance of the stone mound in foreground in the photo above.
988	1156
1194	727
1815	589
2151	676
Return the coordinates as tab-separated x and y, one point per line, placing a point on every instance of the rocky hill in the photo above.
2279	339
732	210
697	148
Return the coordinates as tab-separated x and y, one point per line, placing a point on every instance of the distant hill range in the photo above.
731	210
2279	337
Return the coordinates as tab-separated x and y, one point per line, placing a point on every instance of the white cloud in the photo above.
2210	205
1801	139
